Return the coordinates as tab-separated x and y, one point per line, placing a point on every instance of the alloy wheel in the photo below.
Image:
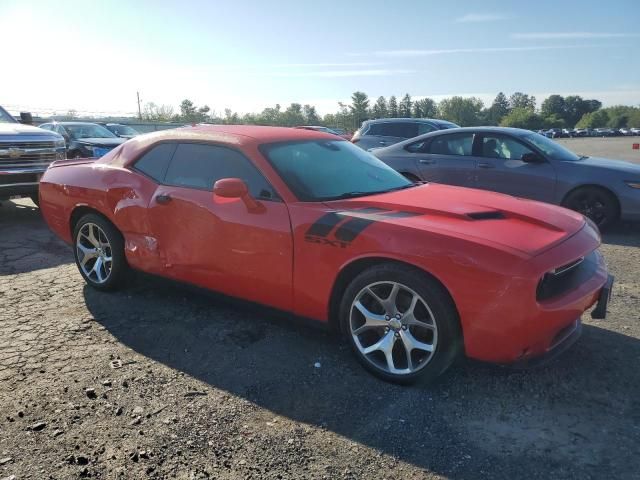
94	253
393	328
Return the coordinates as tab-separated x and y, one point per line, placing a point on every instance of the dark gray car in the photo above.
524	164
388	131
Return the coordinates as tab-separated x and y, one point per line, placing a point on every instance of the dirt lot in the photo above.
617	147
205	388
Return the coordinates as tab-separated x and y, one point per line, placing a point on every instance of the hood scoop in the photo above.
488	215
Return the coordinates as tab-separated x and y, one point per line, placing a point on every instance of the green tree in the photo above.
310	115
596	119
393	107
359	107
498	109
404	109
576	107
522	100
427	107
552	121
463	111
187	111
634	118
293	115
522	117
553	105
157	113
379	109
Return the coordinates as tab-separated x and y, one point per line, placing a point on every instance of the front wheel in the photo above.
595	203
401	324
99	252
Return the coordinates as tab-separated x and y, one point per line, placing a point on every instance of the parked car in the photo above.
319	128
557	133
84	139
122	131
387	131
635	130
305	222
525	164
583	132
25	154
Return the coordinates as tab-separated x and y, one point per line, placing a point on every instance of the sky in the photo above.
93	56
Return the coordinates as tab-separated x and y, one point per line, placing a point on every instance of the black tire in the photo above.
596	203
449	345
35	199
119	266
411	177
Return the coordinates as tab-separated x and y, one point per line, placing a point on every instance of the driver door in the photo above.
215	242
501	169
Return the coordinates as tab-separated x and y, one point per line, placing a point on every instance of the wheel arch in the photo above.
80	211
359	265
596	186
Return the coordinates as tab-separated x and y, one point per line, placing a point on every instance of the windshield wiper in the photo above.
364	194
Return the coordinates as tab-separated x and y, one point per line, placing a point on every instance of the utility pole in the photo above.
139	111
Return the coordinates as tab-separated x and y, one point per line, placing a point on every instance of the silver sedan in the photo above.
521	163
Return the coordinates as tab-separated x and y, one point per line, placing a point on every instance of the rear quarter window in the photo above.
155	162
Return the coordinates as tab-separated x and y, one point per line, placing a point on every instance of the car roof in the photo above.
230	135
410	120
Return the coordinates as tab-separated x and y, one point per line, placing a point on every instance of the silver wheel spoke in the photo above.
412	343
97	269
86	254
371	320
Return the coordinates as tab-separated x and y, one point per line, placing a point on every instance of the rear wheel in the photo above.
595	203
400	323
99	252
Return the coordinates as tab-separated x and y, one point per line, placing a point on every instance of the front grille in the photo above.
26	154
567	277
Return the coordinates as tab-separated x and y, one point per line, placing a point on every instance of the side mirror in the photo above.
236	188
532	158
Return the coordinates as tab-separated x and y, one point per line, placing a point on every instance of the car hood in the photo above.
106	142
20	129
619	165
522	226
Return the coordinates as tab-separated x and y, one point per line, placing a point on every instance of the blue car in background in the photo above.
521	163
85	139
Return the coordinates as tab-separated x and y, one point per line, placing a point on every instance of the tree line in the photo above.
518	110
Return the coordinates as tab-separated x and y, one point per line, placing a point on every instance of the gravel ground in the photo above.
159	381
615	147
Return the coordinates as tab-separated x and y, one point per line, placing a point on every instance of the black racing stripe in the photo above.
324	224
352	228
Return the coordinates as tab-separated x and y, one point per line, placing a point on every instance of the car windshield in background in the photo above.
551	148
123	130
329	170
88	131
5	117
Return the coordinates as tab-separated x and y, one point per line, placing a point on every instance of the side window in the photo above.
498	146
155	162
375	129
46	126
455	144
425	128
417	147
200	166
400	129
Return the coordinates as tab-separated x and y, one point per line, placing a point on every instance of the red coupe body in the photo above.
490	251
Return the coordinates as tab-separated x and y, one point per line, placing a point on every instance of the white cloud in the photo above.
425	53
570	35
481	17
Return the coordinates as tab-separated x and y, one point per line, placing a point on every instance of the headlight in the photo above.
634	184
60	143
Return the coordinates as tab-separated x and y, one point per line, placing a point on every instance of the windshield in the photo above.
5	117
88	130
552	149
122	130
328	170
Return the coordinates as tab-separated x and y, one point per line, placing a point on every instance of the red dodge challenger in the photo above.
412	275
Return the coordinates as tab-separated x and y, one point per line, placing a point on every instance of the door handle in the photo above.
485	165
163	199
426	161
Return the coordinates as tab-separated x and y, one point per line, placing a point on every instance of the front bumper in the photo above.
19	182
